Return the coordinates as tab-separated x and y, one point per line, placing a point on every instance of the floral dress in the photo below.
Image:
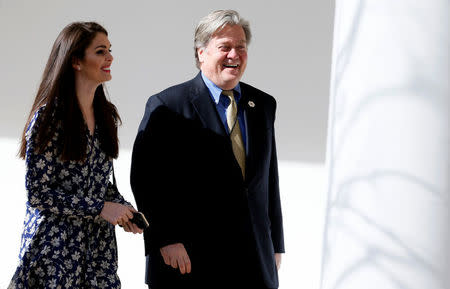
65	243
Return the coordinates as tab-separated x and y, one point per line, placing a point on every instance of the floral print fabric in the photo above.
65	243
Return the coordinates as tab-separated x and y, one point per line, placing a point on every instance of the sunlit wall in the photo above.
387	222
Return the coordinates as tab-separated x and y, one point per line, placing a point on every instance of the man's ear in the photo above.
76	63
200	53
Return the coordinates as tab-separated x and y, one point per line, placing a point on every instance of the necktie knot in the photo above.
228	93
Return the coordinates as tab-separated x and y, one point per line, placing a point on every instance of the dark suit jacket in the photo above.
187	182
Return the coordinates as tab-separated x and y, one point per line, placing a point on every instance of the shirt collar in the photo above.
216	91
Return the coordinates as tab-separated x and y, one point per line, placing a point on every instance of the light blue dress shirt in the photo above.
222	103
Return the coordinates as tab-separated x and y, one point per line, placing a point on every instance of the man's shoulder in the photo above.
174	99
176	94
257	93
173	93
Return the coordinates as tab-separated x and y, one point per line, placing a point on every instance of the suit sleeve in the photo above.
155	175
275	213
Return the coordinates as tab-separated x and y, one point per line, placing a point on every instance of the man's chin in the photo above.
231	79
227	85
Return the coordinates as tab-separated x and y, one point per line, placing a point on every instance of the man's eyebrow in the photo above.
228	41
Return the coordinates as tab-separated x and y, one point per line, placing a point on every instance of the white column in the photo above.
387	224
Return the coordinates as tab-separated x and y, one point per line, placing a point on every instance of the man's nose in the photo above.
233	53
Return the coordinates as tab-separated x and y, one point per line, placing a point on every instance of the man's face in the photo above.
224	59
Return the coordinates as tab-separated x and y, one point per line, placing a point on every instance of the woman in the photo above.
68	143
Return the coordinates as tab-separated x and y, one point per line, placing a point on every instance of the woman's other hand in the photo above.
132	227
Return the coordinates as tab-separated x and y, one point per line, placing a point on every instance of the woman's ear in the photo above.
76	63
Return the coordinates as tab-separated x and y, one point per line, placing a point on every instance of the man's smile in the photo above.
231	65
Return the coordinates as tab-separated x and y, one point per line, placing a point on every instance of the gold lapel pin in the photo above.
251	104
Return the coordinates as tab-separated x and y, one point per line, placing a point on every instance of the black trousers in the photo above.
238	286
225	264
243	273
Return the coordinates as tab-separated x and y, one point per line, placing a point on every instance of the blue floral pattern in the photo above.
65	243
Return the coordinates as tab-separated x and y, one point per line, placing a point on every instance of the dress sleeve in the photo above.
113	195
44	192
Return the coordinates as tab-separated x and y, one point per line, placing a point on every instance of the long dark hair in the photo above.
56	97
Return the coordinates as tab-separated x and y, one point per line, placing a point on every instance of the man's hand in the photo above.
175	255
278	260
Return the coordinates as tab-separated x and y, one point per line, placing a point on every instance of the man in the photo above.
204	171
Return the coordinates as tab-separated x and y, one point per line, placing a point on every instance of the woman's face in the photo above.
95	66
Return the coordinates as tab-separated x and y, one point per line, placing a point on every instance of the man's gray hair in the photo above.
215	21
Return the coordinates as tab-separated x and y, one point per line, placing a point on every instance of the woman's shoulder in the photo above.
37	120
34	122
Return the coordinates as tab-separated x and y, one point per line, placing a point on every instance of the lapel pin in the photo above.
251	104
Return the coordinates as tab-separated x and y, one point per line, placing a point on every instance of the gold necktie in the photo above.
235	131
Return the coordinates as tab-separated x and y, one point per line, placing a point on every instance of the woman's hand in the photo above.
131	227
116	213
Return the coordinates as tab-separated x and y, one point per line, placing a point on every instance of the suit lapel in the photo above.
205	107
207	112
250	106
